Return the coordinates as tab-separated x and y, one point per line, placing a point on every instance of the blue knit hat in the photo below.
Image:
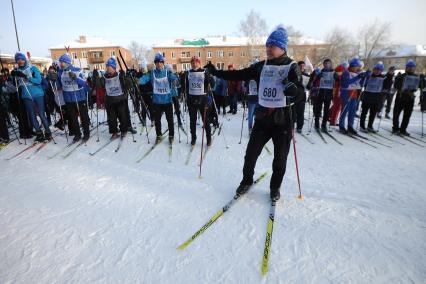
65	58
379	66
279	38
410	63
111	62
20	55
159	57
355	62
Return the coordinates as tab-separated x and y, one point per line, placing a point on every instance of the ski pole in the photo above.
202	141
295	155
242	122
55	91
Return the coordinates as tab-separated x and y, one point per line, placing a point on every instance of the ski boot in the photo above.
371	129
193	140
243	188
352	131
404	132
47	135
39	137
158	139
275	194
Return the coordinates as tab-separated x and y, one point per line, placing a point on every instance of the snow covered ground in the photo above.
108	219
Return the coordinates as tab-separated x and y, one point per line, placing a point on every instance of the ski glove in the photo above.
72	75
17	73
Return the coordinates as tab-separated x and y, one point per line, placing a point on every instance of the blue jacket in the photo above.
159	73
220	87
80	93
32	84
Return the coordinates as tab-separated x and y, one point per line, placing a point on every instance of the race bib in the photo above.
196	83
327	80
271	87
375	85
113	86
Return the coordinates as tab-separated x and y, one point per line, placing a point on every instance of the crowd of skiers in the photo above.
275	92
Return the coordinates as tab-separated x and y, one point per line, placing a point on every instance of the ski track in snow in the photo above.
108	219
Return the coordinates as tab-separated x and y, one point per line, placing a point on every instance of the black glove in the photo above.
72	75
211	68
17	73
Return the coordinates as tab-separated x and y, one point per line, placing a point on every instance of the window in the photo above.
84	54
183	54
173	54
209	54
174	67
164	54
186	66
112	53
199	54
74	55
230	53
188	54
243	53
220	53
220	65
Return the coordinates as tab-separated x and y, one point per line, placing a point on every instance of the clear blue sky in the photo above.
44	23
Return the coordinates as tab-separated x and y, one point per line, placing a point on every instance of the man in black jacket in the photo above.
280	86
116	99
406	85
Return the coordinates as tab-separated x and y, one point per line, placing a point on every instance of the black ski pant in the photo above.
4	133
365	108
202	109
73	113
405	105
265	129
323	99
116	110
176	105
300	114
158	113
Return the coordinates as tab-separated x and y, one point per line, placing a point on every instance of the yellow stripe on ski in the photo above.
200	231
267	246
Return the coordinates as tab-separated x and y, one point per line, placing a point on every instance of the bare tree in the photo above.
373	38
294	35
140	52
255	29
340	47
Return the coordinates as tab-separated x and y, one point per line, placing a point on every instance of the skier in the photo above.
337	101
29	82
278	78
350	90
116	98
423	93
406	85
326	79
175	96
220	91
388	90
371	96
252	100
300	107
146	92
161	81
197	84
234	88
74	88
4	102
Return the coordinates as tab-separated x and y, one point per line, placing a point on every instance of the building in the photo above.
90	52
8	61
399	54
225	50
